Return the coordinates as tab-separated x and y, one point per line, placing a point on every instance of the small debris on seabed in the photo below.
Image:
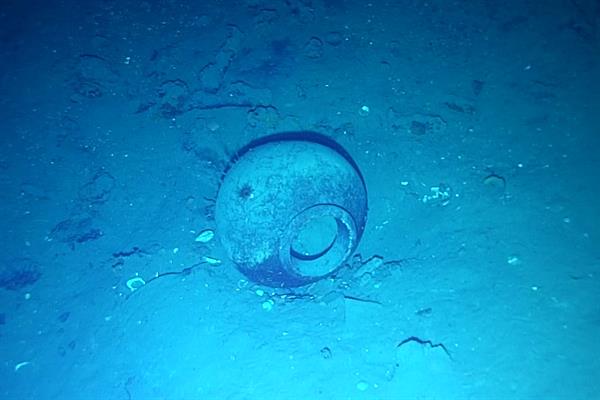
326	353
205	236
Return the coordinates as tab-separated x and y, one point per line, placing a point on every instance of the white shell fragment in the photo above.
21	365
205	236
135	283
211	260
268	305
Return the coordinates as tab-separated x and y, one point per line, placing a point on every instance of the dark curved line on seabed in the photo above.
426	342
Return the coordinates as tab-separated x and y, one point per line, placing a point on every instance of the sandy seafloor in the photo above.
118	117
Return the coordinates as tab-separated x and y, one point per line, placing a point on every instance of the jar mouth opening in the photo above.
317	241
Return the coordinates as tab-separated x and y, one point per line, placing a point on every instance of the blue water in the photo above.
475	125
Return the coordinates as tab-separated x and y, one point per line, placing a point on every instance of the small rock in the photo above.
313	48
334	38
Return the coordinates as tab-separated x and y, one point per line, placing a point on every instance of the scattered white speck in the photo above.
513	260
362	386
